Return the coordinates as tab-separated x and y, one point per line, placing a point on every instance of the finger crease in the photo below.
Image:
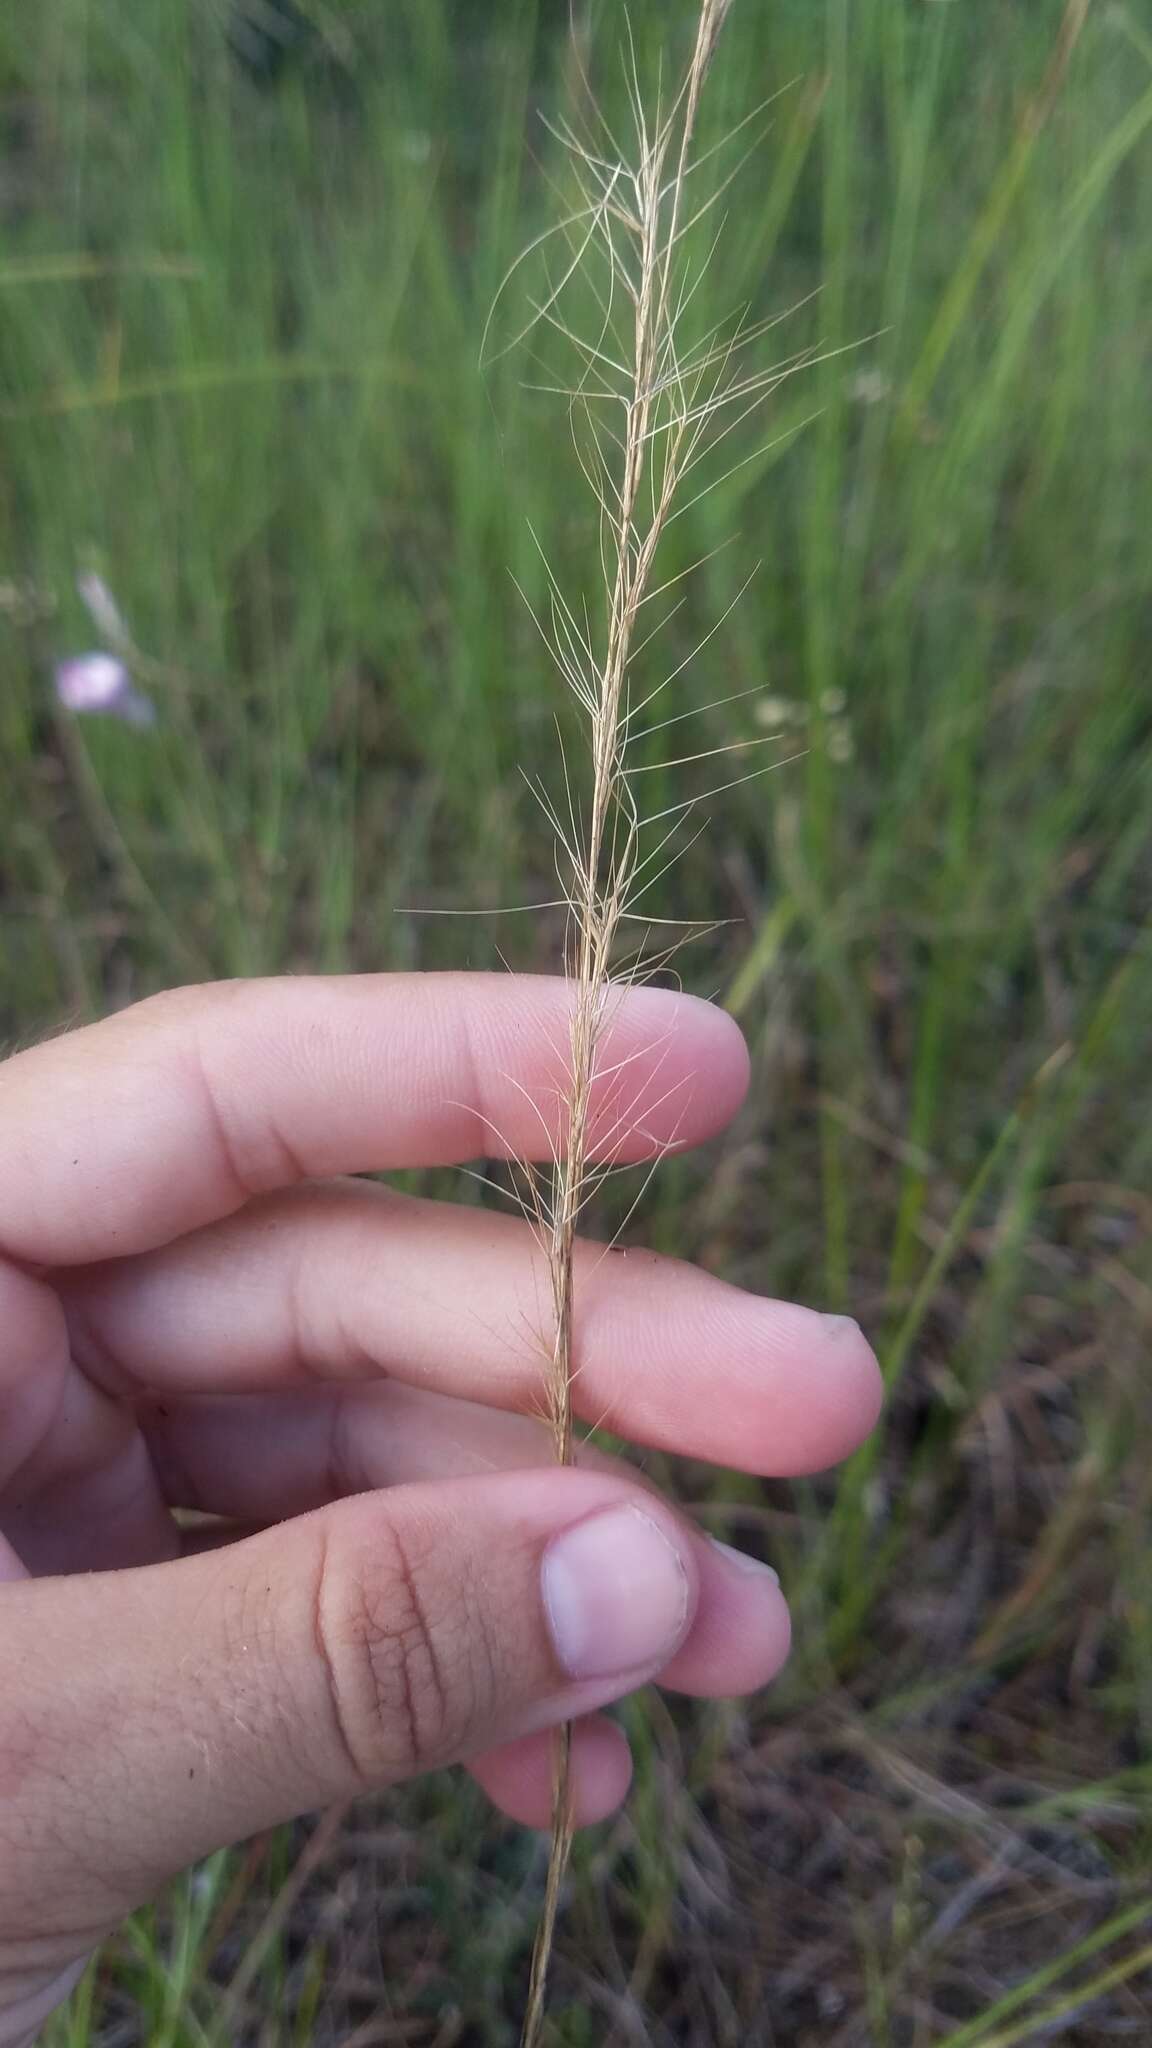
327	1664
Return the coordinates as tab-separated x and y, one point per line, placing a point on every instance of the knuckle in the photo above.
171	1007
395	1641
22	1752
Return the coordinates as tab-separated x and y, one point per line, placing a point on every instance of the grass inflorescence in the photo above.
651	405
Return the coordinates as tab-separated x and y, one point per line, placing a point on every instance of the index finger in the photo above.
124	1135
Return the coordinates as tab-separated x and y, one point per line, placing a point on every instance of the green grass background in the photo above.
240	311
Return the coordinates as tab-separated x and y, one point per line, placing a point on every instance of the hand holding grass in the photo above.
195	1314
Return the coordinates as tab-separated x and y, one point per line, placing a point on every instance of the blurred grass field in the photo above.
246	257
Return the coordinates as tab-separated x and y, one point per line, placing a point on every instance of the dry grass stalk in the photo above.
647	411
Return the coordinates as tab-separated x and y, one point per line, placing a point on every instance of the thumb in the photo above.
150	1716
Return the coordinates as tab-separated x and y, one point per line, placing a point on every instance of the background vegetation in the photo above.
246	254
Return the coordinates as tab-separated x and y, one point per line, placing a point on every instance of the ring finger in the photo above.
263	1458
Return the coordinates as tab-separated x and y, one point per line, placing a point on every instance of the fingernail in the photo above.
615	1593
840	1327
751	1565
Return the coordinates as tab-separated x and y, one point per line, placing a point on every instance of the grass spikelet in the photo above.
648	407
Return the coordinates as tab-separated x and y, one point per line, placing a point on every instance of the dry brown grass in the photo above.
646	413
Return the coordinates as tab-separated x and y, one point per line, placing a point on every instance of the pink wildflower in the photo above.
101	683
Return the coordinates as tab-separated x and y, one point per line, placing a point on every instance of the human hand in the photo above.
194	1314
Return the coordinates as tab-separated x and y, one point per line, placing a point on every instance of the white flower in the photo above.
871	387
100	683
780	711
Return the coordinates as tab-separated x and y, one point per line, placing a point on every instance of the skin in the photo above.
198	1312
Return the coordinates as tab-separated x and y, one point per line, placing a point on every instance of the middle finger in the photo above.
351	1281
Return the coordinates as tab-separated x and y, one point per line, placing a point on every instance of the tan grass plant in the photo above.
648	410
